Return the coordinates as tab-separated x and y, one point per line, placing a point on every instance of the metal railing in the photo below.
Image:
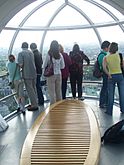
8	105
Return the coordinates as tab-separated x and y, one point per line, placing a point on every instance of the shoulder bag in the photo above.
49	69
11	84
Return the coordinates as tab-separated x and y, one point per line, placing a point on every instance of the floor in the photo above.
11	141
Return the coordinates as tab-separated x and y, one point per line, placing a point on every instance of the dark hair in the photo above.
24	45
105	44
76	48
11	58
113	47
54	50
33	46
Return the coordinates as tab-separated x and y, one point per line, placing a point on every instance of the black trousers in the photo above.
64	88
76	81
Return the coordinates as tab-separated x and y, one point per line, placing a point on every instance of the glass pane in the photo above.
5	40
112	34
85	38
41	17
27	36
17	19
96	14
111	9
63	18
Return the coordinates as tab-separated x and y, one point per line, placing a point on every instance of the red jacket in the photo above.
67	60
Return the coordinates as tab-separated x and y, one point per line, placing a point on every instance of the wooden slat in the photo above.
65	136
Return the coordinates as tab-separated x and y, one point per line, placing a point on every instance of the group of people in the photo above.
111	65
65	66
28	68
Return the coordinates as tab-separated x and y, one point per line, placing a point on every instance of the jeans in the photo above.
119	80
39	91
104	91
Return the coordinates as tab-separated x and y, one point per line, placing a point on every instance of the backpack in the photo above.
114	134
96	70
121	58
77	63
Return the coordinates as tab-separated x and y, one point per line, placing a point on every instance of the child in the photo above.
15	76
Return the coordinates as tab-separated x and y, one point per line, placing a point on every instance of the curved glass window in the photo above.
72	18
17	19
31	36
86	22
42	15
5	40
113	34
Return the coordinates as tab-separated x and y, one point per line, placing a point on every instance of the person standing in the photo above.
65	71
38	63
26	62
103	99
54	81
15	76
76	70
112	68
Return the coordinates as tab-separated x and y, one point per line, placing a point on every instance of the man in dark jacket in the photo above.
38	63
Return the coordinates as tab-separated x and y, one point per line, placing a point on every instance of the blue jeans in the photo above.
39	91
104	91
119	80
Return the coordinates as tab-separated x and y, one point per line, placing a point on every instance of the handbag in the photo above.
11	84
49	69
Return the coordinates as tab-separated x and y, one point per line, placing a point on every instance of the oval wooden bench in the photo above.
66	133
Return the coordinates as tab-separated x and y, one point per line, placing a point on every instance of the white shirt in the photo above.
58	64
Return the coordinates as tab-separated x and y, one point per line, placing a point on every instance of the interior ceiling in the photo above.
8	8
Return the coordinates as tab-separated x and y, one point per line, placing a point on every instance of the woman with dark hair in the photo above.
112	67
76	70
54	81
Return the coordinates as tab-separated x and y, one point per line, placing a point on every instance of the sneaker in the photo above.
81	98
40	104
108	113
23	111
18	109
31	108
103	106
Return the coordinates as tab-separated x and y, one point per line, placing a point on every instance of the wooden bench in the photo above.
67	133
